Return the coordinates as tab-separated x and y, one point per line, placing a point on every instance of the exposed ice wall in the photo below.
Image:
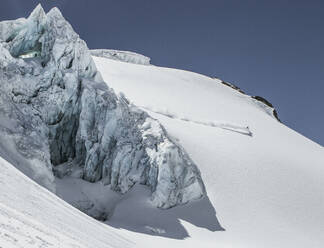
58	109
125	56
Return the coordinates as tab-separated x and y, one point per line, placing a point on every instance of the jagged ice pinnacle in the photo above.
60	112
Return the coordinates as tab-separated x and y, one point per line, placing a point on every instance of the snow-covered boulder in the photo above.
124	56
55	108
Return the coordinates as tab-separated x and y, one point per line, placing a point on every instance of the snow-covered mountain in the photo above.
168	137
267	188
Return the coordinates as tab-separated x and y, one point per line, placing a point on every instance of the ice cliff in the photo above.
56	110
124	56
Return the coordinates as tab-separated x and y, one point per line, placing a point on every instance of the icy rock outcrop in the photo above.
260	101
269	106
125	56
62	111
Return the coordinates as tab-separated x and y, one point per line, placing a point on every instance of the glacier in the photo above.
266	189
59	115
263	190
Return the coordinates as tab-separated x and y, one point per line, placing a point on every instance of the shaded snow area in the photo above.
124	56
31	216
182	161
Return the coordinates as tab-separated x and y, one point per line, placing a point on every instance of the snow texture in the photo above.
32	217
219	124
124	56
57	109
267	189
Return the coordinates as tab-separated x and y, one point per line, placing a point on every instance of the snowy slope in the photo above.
264	180
31	216
65	129
58	114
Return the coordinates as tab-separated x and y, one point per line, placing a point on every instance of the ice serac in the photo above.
124	56
59	111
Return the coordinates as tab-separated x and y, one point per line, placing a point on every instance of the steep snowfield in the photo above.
31	216
264	180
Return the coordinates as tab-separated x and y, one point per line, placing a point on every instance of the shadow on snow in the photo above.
136	214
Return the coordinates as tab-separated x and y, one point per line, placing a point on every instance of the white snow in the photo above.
264	181
264	190
31	216
267	189
220	124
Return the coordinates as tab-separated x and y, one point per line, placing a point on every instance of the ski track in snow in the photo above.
219	124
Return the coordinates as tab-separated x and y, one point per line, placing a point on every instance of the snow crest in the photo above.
56	109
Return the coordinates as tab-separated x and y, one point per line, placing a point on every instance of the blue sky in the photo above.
268	48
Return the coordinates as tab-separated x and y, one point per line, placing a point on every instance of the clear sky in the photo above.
270	48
